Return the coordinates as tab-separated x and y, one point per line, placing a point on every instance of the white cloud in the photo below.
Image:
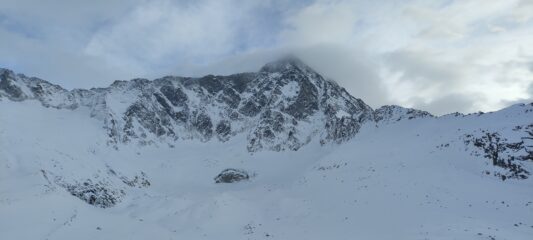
440	56
157	33
320	23
429	54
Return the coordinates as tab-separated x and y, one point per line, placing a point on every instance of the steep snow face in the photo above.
284	106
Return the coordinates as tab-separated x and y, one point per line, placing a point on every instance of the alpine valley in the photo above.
282	153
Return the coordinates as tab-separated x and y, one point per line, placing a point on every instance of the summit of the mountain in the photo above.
286	63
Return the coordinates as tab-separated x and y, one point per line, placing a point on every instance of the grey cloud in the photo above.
356	43
93	43
423	68
353	70
528	99
246	62
463	103
64	13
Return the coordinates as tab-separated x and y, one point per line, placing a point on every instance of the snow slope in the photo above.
407	176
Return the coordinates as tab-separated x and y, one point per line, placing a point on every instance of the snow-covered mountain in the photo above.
282	153
283	106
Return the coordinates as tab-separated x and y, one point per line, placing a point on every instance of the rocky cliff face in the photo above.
282	107
391	113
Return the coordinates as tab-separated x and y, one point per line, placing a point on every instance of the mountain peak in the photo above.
6	72
286	63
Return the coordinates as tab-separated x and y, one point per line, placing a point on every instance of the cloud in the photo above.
352	69
38	41
423	69
453	102
160	33
37	58
523	12
101	41
440	56
529	99
320	23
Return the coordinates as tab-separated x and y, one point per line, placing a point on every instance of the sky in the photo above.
440	56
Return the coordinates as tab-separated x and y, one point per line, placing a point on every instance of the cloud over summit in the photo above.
440	56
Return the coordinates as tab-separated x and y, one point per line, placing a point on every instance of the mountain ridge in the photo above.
266	105
278	100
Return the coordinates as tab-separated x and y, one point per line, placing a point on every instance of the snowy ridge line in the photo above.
284	106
